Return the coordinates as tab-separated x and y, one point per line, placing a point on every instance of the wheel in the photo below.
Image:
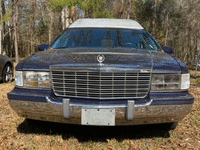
7	75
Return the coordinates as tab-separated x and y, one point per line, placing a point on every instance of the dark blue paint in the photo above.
163	62
118	57
159	98
171	98
184	68
36	95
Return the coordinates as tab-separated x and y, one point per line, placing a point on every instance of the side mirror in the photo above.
168	50
43	47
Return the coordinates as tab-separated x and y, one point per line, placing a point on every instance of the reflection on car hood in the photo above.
114	58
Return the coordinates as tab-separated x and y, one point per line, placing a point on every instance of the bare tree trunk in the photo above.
154	17
15	14
15	32
16	45
180	3
1	15
50	27
33	26
63	18
166	36
69	17
3	27
128	9
10	48
122	8
0	39
29	43
7	30
198	42
73	14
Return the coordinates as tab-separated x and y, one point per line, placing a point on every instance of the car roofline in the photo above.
106	23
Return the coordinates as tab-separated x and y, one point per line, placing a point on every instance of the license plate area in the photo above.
98	116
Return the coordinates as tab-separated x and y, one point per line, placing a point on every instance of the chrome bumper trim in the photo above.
98	106
52	102
66	112
149	114
129	114
130	110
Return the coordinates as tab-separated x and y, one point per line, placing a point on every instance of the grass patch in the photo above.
194	80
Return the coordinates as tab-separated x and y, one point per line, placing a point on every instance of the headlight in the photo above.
33	79
185	81
30	79
165	82
19	78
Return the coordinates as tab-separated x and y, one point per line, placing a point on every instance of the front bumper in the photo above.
157	108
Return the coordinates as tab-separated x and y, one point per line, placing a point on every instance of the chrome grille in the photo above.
100	85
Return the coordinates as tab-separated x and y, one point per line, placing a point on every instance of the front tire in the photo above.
7	74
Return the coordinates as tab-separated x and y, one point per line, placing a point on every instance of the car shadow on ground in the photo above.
194	77
93	133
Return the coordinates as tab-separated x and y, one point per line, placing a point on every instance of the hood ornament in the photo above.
100	58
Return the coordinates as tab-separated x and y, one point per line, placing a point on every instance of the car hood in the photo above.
115	58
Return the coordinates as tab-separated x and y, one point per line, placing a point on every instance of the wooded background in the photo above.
26	24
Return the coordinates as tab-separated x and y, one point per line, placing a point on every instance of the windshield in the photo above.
91	38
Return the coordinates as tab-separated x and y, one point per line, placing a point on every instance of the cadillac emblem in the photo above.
100	58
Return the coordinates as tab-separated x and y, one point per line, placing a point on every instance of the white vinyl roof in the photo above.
106	23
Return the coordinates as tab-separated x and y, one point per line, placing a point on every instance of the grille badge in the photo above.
100	58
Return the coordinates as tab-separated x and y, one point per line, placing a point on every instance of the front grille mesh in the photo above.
100	85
